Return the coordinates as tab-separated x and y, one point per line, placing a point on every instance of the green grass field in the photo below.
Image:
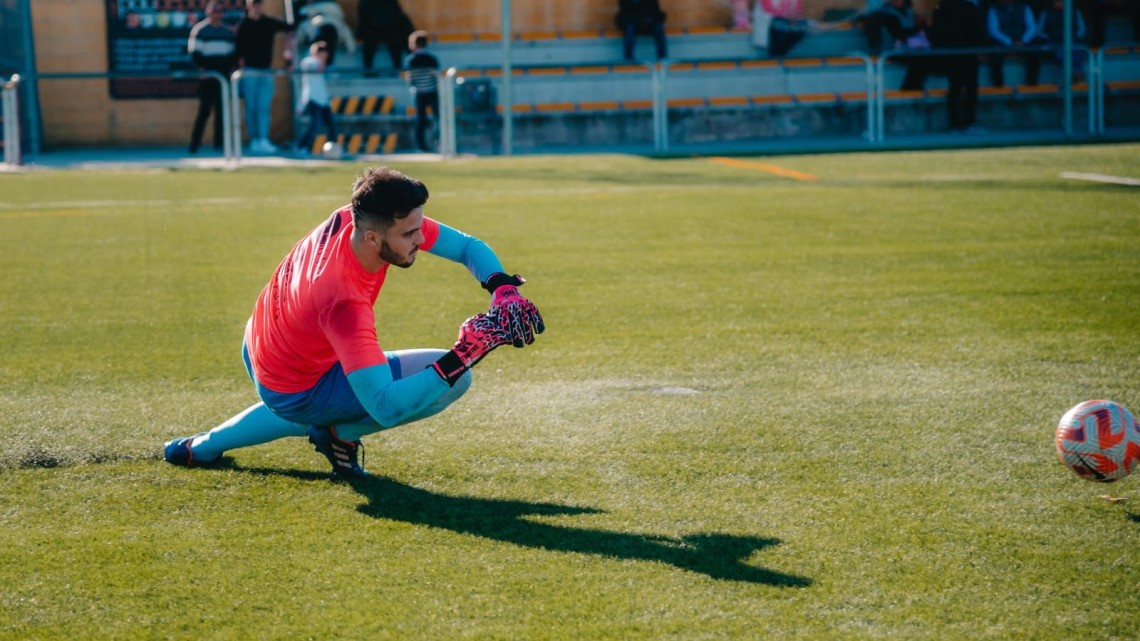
764	408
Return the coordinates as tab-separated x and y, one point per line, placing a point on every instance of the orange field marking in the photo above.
772	169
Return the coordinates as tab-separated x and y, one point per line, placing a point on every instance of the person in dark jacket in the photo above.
959	24
1011	24
383	22
636	17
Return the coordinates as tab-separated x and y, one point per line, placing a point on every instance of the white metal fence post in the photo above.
448	140
11	110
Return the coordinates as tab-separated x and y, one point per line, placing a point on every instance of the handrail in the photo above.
448	140
1098	57
451	76
177	75
658	75
873	83
969	51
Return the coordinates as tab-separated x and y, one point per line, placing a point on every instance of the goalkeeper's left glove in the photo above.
478	335
511	310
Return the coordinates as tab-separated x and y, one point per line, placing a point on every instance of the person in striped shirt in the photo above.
421	69
211	45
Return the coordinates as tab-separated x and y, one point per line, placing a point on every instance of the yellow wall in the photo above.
482	16
70	37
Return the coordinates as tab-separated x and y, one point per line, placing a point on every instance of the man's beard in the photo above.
391	257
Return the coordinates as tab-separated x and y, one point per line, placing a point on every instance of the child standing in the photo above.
315	96
421	69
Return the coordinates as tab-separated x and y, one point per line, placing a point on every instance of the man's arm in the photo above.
351	331
512	311
995	30
390	402
474	254
1030	27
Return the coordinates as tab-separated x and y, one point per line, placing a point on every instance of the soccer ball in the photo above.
332	150
1099	441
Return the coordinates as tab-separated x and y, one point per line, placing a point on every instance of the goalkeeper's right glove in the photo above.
512	310
478	335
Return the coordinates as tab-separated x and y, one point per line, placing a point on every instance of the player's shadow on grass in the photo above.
720	556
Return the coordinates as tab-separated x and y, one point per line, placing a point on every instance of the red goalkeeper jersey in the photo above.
317	310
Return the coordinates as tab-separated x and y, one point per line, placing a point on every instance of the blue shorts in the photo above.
330	402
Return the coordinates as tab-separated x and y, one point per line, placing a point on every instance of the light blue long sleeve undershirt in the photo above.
393	402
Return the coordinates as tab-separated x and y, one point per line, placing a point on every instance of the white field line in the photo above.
1102	178
338	200
341	199
203	202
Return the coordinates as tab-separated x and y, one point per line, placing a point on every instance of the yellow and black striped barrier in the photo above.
359	144
362	105
360	108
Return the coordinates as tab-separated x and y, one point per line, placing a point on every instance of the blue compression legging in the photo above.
404	388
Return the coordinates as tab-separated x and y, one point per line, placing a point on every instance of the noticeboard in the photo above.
149	37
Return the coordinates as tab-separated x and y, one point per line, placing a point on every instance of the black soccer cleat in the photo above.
342	454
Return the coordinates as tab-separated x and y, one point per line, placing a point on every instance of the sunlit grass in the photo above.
763	409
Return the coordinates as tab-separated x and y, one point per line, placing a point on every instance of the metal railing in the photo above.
656	88
657	93
11	98
917	54
1098	59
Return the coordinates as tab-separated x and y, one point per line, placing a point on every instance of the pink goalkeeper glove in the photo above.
478	335
512	311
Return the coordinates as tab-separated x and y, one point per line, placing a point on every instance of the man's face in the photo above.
400	243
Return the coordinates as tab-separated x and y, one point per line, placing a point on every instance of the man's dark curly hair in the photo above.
381	195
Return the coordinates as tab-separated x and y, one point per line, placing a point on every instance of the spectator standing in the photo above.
1051	30
211	45
643	17
422	66
315	100
383	22
959	24
255	46
1011	24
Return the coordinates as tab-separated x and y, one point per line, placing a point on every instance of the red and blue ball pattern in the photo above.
1099	441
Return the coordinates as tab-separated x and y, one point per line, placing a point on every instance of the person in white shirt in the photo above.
315	100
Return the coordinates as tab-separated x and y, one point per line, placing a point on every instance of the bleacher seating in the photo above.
709	69
586	67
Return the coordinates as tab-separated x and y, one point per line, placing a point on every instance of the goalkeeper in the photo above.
311	346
